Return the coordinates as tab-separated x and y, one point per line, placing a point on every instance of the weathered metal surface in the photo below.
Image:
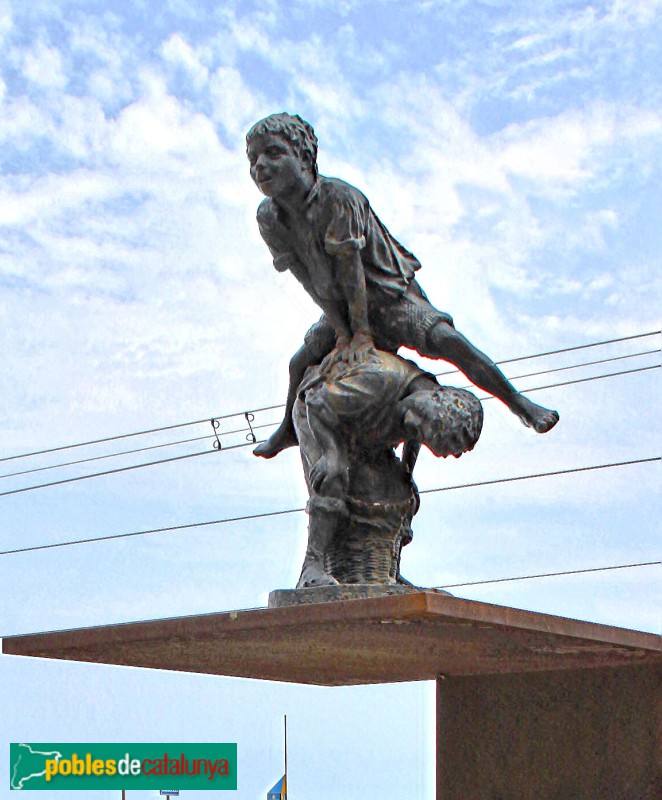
562	735
386	639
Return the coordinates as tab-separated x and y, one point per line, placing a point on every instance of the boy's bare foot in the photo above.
539	418
282	438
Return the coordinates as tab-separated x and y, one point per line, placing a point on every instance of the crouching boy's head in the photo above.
447	420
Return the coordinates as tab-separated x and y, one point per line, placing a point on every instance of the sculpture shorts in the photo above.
404	321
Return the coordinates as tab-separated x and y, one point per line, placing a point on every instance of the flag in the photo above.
279	792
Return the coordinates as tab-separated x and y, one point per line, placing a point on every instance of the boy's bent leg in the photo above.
285	436
447	343
318	342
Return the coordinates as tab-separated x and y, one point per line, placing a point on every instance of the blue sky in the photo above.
514	147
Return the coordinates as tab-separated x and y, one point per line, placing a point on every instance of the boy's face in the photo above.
448	443
276	169
426	426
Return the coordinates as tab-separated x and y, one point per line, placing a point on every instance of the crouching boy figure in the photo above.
348	419
326	234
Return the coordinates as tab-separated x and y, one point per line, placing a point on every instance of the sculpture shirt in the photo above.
336	219
363	397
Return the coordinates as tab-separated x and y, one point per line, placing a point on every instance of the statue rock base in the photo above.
280	598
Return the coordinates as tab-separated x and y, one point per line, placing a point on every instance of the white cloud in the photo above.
566	150
549	152
98	40
6	22
527	42
235	106
158	125
633	12
183	8
179	52
24	202
21	121
43	65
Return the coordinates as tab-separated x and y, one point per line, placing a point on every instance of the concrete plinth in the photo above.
589	734
408	637
280	598
530	706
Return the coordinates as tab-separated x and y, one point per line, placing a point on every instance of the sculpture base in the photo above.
414	636
281	598
530	706
580	734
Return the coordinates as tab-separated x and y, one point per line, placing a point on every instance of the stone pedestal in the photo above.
530	706
280	598
588	734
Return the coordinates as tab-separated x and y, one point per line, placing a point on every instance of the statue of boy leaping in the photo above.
325	232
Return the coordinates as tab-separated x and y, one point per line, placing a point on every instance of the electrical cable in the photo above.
136	433
504	580
136	450
581	380
567	349
299	510
109	439
246	444
280	405
269	424
540	475
167	529
105	456
584	364
111	471
549	575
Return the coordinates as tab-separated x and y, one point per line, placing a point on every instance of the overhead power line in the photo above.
177	442
570	383
106	439
541	475
550	574
584	364
584	380
277	406
105	456
505	580
142	450
206	420
248	517
112	471
569	349
168	529
131	467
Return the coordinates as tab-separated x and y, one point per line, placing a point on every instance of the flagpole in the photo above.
285	725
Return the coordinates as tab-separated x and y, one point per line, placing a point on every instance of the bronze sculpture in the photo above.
348	419
326	234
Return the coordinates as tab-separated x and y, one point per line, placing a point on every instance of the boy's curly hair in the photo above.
292	128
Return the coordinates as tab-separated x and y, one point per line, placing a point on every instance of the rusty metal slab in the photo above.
417	636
